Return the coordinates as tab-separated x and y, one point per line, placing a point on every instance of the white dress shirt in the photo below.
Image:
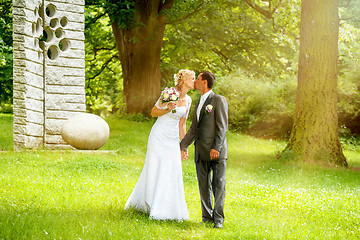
201	103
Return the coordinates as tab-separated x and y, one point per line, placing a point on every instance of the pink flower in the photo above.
209	108
170	94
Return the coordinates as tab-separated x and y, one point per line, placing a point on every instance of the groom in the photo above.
208	130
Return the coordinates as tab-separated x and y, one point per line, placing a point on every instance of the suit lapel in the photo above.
208	100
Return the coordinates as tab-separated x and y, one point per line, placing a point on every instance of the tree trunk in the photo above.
314	137
140	51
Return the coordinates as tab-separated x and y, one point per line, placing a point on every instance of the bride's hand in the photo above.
184	155
171	105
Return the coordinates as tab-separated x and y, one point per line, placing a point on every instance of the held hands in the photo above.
184	155
214	154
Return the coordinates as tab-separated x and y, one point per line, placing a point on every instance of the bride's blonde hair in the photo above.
180	76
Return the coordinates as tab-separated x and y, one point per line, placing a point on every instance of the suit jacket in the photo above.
210	131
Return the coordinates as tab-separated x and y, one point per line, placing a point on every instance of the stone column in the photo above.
28	75
49	70
64	66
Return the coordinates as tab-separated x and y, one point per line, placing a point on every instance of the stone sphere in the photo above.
85	131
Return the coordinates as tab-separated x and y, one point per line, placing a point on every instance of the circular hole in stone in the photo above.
48	35
54	22
53	52
63	21
50	10
64	44
59	32
44	36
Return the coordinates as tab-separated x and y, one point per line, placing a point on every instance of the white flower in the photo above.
209	108
169	94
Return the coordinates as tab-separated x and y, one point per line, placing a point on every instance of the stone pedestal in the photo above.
49	70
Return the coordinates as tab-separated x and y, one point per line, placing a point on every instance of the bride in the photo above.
160	190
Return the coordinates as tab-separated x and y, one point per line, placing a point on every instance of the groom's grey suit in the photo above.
210	133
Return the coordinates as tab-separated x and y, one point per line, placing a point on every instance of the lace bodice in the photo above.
182	111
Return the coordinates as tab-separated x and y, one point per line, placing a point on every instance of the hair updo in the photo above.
180	77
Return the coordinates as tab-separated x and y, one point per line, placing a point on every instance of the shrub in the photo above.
6	107
264	108
257	106
349	103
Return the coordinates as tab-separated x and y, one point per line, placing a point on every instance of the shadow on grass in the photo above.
269	169
137	215
244	159
109	222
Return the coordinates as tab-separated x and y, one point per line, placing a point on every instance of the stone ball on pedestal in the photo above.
85	131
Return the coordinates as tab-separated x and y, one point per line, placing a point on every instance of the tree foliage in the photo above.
349	68
224	36
6	51
103	70
120	11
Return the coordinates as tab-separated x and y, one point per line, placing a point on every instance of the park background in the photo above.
53	194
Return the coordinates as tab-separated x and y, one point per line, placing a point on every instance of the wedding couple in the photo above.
160	190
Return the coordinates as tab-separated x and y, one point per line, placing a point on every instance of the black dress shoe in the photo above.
218	225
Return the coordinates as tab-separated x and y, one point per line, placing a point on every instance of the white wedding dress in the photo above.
160	189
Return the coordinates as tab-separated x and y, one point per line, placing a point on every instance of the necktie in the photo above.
201	103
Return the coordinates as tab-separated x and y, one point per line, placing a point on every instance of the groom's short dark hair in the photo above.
209	77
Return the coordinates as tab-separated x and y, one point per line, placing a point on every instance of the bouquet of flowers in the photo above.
170	95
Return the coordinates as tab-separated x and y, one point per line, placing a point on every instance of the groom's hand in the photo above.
184	155
214	154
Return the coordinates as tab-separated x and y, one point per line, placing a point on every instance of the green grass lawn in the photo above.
77	195
6	135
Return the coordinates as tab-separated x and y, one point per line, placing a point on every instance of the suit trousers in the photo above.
211	180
